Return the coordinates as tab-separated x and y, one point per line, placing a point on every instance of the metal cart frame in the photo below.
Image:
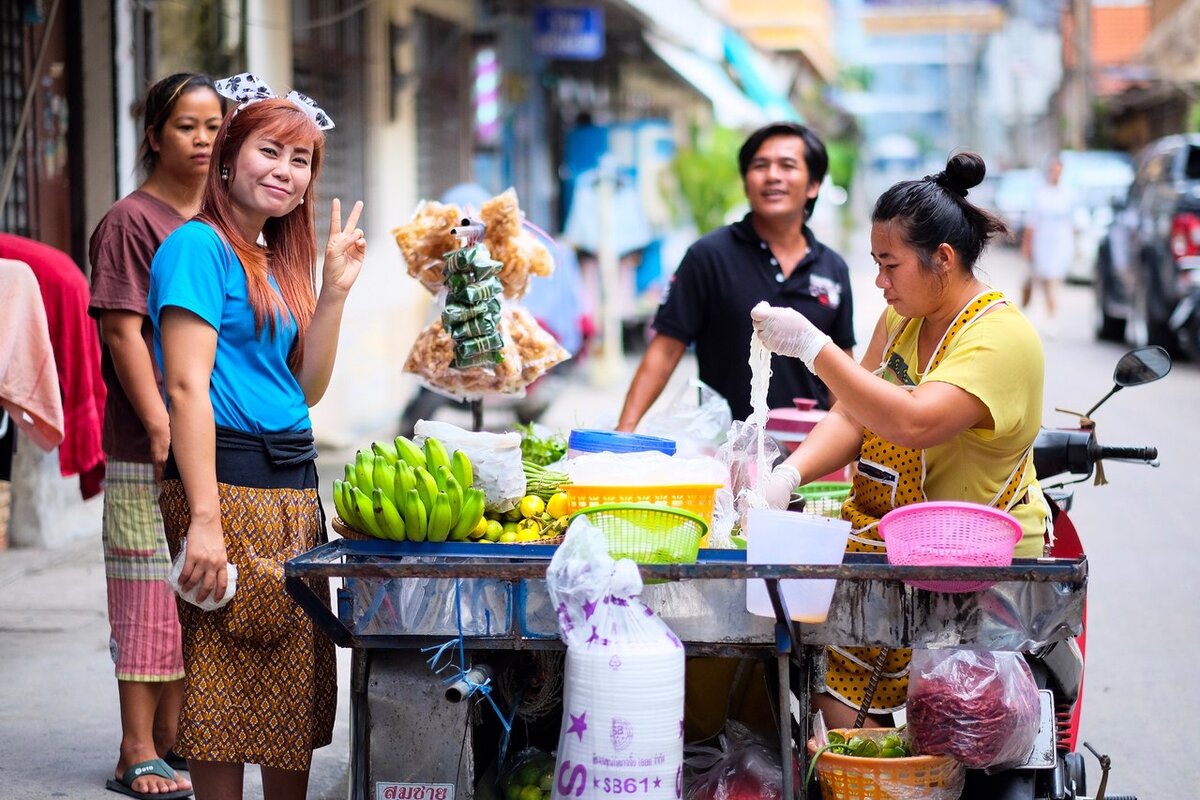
1034	603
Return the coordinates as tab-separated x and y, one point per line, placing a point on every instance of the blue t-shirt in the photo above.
252	389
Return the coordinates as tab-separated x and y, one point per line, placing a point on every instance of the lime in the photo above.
531	505
513	791
494	529
480	529
508	537
531	793
527	775
558	505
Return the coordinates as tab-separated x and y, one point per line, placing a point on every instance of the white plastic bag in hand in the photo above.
210	603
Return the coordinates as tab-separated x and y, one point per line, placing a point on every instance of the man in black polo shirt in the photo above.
769	255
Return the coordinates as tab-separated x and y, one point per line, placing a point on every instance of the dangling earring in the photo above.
225	173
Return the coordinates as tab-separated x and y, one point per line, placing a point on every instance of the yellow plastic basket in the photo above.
853	778
698	499
824	499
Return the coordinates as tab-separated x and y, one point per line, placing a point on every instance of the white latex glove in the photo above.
788	332
778	489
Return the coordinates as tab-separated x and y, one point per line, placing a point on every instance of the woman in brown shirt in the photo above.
182	115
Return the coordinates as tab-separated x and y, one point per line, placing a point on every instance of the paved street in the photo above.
58	714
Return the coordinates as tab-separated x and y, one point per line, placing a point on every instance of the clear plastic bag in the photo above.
740	456
977	706
744	767
697	419
532	767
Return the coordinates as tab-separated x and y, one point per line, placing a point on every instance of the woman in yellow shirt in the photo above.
958	407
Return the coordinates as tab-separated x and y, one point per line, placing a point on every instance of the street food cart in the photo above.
411	733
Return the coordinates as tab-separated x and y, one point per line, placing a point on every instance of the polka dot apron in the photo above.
889	476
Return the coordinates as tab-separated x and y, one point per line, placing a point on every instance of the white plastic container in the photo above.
786	537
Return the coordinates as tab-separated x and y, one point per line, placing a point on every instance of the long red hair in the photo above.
291	252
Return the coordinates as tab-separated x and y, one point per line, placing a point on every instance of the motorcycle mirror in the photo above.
1143	365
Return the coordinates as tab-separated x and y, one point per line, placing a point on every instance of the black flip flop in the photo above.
155	766
175	761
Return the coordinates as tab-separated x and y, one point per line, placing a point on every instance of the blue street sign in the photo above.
569	33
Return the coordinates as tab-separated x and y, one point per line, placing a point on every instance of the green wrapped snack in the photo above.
477	360
478	292
455	313
458	282
471	260
483	325
483	344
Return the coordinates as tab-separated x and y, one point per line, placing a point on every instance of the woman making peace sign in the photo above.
247	345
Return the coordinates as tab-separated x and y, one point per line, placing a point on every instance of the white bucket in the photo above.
786	537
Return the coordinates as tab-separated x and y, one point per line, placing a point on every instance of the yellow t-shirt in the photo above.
998	359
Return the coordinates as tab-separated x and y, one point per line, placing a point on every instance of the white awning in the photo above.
731	106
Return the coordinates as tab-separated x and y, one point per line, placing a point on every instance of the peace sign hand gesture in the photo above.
345	250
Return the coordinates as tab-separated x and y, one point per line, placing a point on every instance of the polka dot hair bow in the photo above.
247	88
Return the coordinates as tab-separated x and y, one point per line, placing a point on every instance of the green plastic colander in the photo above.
647	533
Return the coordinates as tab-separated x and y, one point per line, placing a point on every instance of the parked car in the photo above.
1140	274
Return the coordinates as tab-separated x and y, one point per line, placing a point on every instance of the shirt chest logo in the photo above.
826	291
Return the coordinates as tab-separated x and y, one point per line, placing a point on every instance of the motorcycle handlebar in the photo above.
1128	453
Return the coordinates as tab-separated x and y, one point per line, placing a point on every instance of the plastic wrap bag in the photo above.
979	707
743	768
210	603
532	767
696	419
496	458
739	454
622	724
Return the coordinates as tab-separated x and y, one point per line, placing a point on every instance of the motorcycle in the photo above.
1064	457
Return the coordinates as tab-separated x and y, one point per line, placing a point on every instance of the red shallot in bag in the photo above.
978	707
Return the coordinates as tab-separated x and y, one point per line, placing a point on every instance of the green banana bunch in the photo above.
387	516
439	518
339	502
409	453
416	525
435	455
472	511
463	471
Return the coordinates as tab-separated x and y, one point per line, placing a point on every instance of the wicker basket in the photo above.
913	778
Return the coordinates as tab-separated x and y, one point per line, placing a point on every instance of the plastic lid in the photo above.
591	441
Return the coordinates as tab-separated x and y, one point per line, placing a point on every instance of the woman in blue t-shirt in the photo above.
247	345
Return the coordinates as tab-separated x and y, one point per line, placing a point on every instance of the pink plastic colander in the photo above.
950	534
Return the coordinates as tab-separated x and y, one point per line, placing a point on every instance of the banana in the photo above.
384	476
427	487
366	513
415	520
409	453
435	455
469	516
364	467
464	473
440	475
455	492
387	516
352	519
350	475
403	481
439	518
387	450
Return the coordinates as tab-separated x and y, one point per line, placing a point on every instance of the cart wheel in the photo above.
1076	775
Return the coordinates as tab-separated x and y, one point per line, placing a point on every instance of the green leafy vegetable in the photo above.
541	450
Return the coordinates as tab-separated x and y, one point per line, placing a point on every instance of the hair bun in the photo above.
963	172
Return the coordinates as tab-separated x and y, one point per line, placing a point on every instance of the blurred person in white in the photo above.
944	406
1048	242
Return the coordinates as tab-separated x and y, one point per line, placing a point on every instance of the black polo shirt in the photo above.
724	275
